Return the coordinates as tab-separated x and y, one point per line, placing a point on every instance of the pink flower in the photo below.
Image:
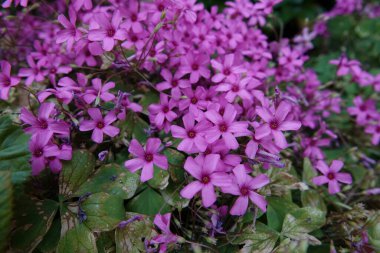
245	187
134	17
54	161
172	82
42	123
226	69
374	129
41	151
6	80
234	86
162	112
108	32
196	66
8	3
146	158
166	236
193	135
275	123
226	127
99	125
331	175
70	34
346	66
363	110
78	4
204	170
99	91
34	73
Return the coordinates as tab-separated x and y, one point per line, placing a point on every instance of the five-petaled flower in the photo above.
146	158
332	176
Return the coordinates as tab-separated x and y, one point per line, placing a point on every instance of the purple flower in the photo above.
275	123
196	66
162	112
363	110
41	151
54	161
6	80
34	73
146	158
42	123
234	86
245	187
166	236
193	135
99	91
346	66
331	175
8	3
70	34
226	127
108	31
99	125
374	129
226	69
172	82
204	169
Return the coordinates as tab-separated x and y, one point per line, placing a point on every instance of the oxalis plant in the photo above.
174	126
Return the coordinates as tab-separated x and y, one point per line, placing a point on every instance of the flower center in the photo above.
152	53
174	83
134	17
226	72
191	134
330	176
194	100
207	151
378	129
205	179
165	109
244	191
273	124
38	153
110	32
363	108
53	70
148	157
235	88
195	66
134	38
223	127
100	125
160	7
43	124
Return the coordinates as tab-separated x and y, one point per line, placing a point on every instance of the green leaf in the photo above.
160	179
5	207
131	237
135	127
300	222
148	202
374	232
173	198
51	239
112	179
276	211
313	199
176	160
148	99
33	220
261	240
103	211
78	240
308	171
288	245
75	172
14	152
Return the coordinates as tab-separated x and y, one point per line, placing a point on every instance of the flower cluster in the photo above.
210	85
